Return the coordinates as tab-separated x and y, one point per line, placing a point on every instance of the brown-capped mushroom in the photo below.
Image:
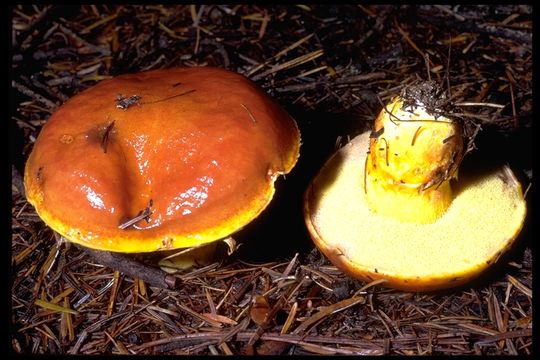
383	207
160	160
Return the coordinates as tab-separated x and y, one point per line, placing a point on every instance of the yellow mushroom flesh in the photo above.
413	154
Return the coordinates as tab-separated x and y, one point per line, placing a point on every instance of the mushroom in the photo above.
160	160
387	206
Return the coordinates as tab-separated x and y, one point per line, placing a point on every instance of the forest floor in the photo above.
331	68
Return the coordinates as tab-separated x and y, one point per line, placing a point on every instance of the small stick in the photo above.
390	114
351	80
527	190
410	42
327	311
426	60
516	119
169	98
505	335
365	173
445	140
37	19
106	135
447	10
136	219
89	28
416	135
375	134
26	91
498	106
279	54
92	47
290	64
249	113
142	215
386	148
133	268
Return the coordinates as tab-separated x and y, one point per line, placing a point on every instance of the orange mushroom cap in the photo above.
160	160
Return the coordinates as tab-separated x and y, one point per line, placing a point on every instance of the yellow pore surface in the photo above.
485	216
412	155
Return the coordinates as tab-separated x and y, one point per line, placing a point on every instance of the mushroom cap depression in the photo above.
160	160
485	216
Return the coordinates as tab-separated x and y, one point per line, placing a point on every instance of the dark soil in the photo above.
332	68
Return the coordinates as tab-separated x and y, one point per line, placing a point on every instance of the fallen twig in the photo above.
133	268
37	97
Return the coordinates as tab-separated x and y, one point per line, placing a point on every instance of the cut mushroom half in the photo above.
389	212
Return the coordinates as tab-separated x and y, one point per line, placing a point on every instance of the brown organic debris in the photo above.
333	66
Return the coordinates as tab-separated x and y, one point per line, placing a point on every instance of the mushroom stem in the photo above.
412	160
186	259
